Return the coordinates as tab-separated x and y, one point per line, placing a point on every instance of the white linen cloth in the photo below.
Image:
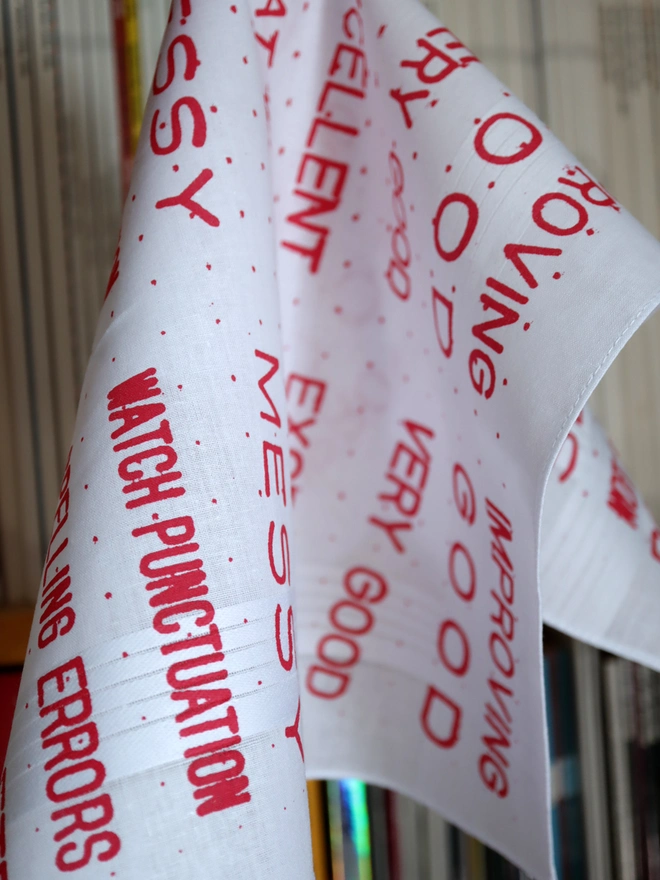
361	295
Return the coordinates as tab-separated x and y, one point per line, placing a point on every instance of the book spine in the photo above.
376	799
318	815
638	770
129	82
152	22
555	782
335	830
407	834
103	195
649	743
617	730
591	738
573	836
439	844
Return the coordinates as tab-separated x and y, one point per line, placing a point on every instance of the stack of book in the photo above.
604	734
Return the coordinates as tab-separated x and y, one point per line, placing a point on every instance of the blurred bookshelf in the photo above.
74	76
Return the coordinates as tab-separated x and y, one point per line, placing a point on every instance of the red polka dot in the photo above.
175	167
491	184
296	54
245	61
242	214
556	275
108	595
414	155
233	9
208	266
197	442
590	232
95	539
86	486
448	168
253	269
162	332
179	387
133	197
228	160
259	682
124	654
230	559
505	381
140	237
154	282
214	109
214	500
526	325
217	320
338	310
233	378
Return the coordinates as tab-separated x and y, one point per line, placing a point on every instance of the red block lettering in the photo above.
185	199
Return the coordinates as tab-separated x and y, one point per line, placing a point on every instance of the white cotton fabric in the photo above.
356	339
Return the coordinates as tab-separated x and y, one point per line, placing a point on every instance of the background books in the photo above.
603	715
74	76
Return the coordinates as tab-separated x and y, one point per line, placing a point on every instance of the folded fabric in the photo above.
360	297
